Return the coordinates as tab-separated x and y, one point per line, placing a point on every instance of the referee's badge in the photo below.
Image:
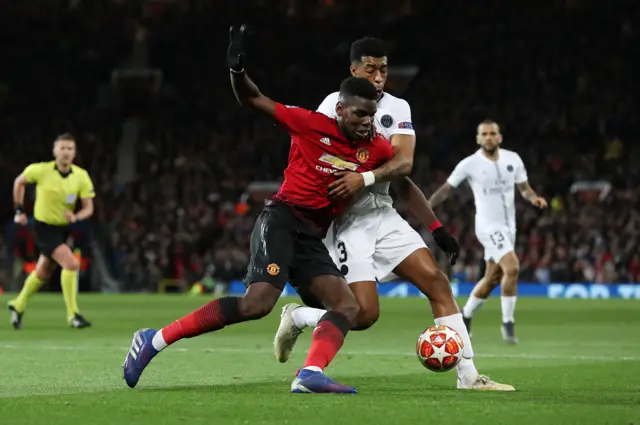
71	198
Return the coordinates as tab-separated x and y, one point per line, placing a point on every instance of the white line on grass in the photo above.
526	356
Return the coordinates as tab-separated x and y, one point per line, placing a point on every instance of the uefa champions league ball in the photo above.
439	348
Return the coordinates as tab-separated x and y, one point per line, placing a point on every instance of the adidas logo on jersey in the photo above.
326	141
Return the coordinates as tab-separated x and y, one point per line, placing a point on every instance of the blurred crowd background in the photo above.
143	86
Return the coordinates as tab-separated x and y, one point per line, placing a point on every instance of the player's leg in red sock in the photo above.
329	335
327	339
215	315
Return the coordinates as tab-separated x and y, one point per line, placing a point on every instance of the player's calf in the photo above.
511	268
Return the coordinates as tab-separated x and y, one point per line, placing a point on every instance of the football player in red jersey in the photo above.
286	242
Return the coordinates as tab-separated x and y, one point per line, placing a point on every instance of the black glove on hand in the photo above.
447	243
235	51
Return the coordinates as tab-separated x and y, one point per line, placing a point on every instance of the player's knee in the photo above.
72	264
511	271
252	308
366	318
348	308
435	283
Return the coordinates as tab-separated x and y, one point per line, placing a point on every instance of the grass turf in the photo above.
577	363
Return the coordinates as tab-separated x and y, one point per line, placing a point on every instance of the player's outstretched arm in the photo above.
245	90
440	195
420	208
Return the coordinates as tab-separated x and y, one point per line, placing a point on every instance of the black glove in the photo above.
447	243
235	51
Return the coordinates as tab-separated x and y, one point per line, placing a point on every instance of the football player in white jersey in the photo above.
372	242
492	173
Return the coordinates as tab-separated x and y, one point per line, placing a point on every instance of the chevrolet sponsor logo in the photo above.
338	163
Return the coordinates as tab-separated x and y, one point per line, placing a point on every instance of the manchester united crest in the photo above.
363	155
273	269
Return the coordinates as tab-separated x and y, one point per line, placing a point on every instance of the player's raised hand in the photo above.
447	243
235	51
539	202
347	185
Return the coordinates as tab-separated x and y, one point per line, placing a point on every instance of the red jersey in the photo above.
318	150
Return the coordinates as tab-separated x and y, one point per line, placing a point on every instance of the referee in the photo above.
59	184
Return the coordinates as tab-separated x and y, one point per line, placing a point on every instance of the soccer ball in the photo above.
439	348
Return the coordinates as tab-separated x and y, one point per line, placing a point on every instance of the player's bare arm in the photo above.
245	90
530	195
399	166
418	205
18	199
440	195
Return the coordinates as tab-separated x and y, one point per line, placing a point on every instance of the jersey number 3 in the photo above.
342	249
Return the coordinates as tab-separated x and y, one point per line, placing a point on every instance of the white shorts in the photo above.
496	243
368	247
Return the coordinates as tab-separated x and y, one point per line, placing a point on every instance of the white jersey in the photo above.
493	185
393	117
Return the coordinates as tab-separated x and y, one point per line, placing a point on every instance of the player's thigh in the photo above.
272	247
422	270
509	263
334	294
396	241
65	258
351	245
48	238
314	272
496	244
493	272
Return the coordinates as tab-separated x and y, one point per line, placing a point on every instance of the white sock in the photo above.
508	308
313	368
467	371
473	304
158	341
307	316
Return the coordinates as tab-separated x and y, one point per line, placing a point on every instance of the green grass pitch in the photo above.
578	362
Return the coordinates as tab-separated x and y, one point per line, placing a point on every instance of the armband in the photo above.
369	178
435	226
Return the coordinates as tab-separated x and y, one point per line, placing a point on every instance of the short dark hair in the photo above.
359	87
367	46
66	136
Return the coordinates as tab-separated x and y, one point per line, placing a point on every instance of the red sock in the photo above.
208	318
326	342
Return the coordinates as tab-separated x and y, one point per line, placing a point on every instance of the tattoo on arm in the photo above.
527	191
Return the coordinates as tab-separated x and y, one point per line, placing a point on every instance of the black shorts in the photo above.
49	237
286	249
